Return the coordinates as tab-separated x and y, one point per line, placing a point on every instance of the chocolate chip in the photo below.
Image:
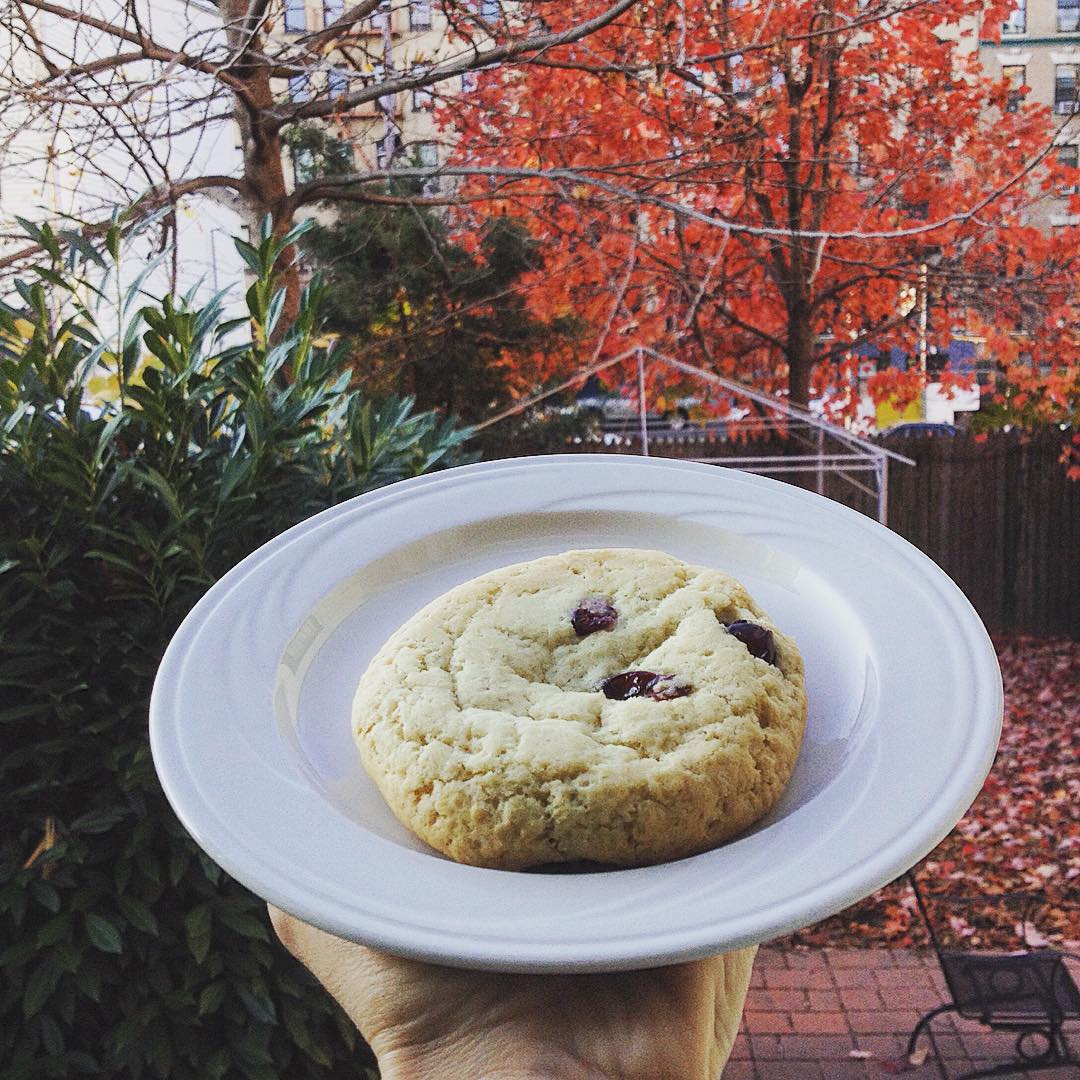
667	687
631	684
757	639
593	614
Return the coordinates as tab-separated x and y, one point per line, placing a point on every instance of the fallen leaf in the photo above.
1019	836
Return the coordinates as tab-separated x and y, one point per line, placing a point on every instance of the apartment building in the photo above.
400	36
1039	53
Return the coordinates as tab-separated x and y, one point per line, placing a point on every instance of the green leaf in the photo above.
100	821
135	288
237	470
295	1019
127	1031
158	482
39	987
83	247
217	1063
211	998
68	956
108	433
51	1037
158	1050
257	1070
16	955
88	980
297	231
82	1061
249	254
259	1006
178	864
197	931
244	924
54	930
112	241
138	914
273	311
103	934
45	894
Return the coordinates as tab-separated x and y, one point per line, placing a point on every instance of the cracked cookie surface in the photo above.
483	723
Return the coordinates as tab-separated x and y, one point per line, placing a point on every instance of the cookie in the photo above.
609	705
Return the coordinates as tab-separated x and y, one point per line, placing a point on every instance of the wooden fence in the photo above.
1001	519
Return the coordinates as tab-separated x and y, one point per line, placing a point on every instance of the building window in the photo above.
295	16
1014	75
1017	20
1068	13
423	97
380	152
427	157
420	15
303	162
380	19
298	88
332	10
1069	158
1065	100
385	103
859	166
337	82
488	10
469	81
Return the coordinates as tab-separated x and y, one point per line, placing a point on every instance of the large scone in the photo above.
487	724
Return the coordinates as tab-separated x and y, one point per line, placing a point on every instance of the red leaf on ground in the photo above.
1020	835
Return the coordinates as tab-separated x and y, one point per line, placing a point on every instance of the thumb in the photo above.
732	984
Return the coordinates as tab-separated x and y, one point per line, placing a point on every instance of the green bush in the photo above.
124	951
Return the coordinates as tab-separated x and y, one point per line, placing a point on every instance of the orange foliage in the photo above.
762	187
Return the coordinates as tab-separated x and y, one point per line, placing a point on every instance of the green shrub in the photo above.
124	951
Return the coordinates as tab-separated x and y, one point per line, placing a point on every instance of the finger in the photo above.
731	989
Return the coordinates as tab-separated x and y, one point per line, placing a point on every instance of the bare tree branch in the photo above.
499	54
151	49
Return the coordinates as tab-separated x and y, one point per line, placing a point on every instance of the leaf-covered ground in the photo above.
1021	835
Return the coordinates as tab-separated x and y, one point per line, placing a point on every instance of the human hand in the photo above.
422	1020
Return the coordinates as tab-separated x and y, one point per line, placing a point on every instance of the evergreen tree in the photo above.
425	313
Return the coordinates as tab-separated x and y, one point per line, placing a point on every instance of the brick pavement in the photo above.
807	1010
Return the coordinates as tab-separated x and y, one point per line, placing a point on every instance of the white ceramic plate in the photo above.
249	721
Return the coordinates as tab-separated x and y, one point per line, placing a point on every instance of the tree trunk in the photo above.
800	357
261	147
800	354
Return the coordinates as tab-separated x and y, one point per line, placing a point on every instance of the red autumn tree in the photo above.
765	187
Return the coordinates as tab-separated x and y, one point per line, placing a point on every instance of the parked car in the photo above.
914	429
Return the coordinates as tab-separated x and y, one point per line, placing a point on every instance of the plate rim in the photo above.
474	950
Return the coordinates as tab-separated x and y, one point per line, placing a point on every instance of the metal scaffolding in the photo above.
830	450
